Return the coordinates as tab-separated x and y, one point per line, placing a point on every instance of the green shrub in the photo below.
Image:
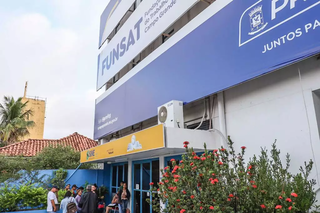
19	198
59	178
221	181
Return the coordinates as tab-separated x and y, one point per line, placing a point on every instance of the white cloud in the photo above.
58	58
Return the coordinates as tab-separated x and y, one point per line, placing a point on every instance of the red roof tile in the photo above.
31	147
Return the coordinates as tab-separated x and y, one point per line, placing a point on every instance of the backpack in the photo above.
71	207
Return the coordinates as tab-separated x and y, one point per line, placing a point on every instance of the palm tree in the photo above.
14	120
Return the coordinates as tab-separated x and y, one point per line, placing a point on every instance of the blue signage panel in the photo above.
244	40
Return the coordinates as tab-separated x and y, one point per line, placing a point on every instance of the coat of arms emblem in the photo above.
257	22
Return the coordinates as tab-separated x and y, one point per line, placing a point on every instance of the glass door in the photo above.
144	172
119	173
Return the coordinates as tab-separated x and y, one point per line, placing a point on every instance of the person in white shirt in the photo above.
52	200
66	200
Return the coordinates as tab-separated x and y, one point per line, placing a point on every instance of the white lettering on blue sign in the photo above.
275	9
122	47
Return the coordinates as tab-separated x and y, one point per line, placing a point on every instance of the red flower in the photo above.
192	196
176	180
165	168
182	211
290	208
211	207
176	176
196	157
199	184
191	164
216	180
161	183
172	160
184	192
193	153
213	174
194	168
214	151
212	182
220	163
294	194
178	200
250	167
263	206
289	200
243	147
229	199
185	146
222	150
186	143
280	197
175	169
167	181
254	186
203	158
151	184
231	195
278	207
201	207
158	189
181	161
252	181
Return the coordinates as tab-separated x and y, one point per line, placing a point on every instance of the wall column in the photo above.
222	119
130	183
161	166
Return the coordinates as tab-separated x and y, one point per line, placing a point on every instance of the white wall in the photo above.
278	106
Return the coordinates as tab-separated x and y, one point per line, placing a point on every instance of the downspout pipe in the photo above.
73	173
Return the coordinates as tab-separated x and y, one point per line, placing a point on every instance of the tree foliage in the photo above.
25	168
221	181
56	157
14	120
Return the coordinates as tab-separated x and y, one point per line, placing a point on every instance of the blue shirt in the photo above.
65	202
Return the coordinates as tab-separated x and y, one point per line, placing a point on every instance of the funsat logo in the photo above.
90	153
269	15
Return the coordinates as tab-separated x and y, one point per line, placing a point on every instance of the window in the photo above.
166	36
119	173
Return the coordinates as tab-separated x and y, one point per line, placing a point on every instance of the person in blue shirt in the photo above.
66	200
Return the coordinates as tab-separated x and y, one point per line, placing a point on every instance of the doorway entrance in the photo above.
144	172
119	173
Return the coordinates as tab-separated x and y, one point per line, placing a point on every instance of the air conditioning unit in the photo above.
171	114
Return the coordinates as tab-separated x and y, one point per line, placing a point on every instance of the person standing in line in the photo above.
95	196
74	190
66	200
96	190
78	198
52	200
67	187
124	196
121	185
89	201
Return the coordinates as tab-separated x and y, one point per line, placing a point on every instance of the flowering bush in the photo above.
221	181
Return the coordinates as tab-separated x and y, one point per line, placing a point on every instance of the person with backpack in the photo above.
69	204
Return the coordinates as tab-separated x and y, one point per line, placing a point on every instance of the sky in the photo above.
52	44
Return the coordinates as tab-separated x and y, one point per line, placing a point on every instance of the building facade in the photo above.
38	107
248	69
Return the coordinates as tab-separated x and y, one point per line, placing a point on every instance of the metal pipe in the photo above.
73	173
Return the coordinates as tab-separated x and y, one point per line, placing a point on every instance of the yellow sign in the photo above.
145	140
